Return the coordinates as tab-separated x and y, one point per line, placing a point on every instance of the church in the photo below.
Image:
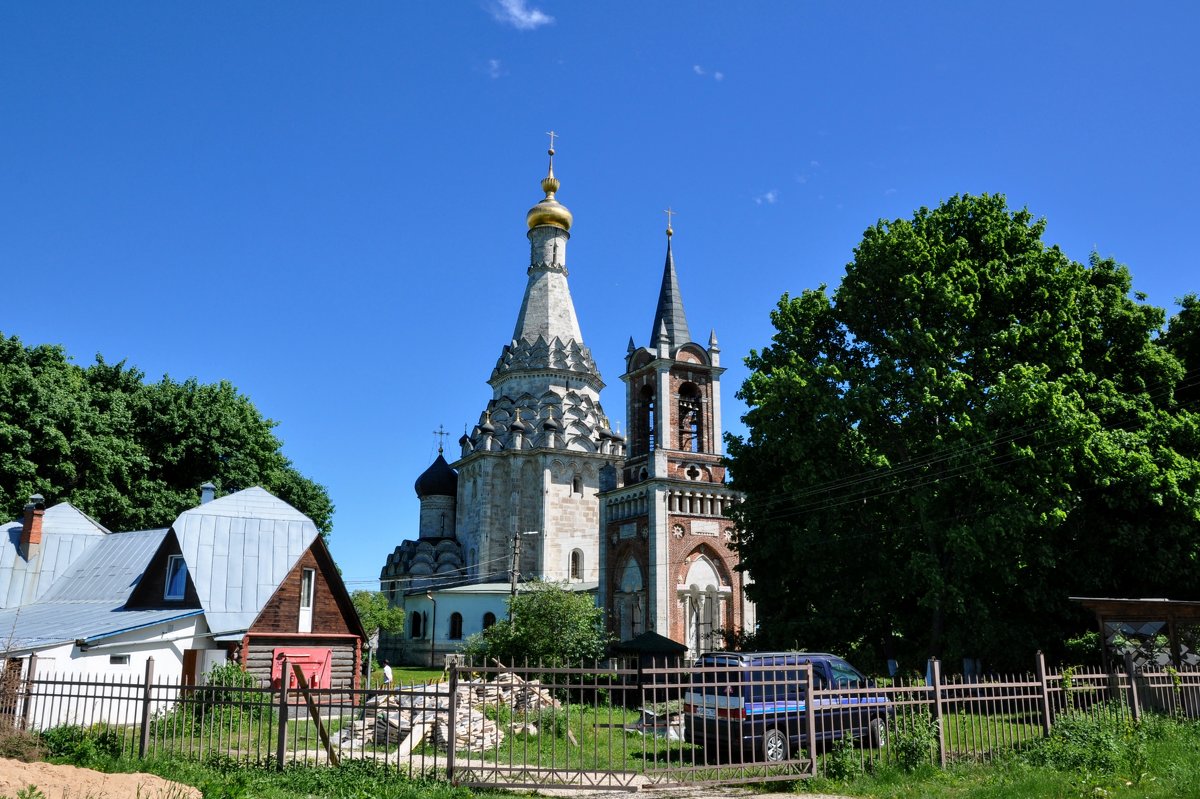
545	488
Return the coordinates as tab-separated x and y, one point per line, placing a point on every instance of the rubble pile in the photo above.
407	717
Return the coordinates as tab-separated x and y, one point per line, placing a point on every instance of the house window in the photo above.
417	626
576	564
577	485
118	660
308	579
308	584
176	578
455	626
489	619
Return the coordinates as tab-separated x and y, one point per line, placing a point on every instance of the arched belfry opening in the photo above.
690	415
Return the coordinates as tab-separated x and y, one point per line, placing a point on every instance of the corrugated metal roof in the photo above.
44	624
67	533
238	549
88	597
111	569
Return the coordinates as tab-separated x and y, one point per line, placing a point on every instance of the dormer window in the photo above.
176	578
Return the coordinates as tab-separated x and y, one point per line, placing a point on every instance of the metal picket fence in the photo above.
599	725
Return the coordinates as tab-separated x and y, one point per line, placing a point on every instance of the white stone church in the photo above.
543	476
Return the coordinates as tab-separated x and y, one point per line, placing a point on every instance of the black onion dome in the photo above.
439	480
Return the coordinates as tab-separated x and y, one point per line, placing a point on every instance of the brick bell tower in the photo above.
666	562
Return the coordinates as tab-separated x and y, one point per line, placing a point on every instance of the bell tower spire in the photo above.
670	301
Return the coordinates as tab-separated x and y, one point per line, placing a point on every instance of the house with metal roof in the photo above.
245	577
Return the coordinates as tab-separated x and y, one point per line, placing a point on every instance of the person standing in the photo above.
387	675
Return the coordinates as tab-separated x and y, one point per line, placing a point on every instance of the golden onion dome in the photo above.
549	211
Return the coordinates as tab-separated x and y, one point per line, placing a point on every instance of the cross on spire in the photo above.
441	434
552	136
670	213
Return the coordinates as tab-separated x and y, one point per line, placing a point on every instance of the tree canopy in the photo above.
132	453
376	613
969	430
548	625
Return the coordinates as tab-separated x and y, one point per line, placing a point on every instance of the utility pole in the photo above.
515	571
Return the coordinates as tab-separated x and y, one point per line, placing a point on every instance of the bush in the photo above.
90	747
912	740
843	762
1093	743
229	697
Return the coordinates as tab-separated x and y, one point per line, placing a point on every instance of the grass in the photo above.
1161	760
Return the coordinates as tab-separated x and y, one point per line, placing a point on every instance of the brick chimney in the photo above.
31	527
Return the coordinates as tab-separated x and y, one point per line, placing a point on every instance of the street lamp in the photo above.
432	629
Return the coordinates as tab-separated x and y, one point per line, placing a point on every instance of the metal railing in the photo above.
594	725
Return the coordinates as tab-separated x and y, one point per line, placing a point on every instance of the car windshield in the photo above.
845	675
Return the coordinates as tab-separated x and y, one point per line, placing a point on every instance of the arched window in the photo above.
577	485
417	627
455	626
576	564
489	619
690	433
646	421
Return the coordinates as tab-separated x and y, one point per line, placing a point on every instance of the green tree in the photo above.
130	453
970	430
1182	340
376	613
549	625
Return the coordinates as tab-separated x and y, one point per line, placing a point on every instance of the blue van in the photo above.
752	706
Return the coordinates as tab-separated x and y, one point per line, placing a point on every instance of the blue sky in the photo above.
324	203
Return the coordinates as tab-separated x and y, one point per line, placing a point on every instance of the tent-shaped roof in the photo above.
649	643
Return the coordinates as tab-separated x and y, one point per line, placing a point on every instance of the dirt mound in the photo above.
72	782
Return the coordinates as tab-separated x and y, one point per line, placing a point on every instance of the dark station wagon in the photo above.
753	705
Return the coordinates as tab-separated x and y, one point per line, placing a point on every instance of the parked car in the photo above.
752	705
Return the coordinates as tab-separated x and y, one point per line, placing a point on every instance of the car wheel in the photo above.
878	733
775	746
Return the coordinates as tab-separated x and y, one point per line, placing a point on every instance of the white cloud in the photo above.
814	163
519	15
767	197
699	70
718	76
494	68
702	72
889	192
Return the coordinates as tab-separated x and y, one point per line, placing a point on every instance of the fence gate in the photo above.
716	724
543	727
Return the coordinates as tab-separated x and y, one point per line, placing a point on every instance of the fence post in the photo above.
30	675
1135	704
285	678
144	738
453	720
810	719
935	667
1044	687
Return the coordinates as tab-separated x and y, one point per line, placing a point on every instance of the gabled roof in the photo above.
238	549
67	533
88	597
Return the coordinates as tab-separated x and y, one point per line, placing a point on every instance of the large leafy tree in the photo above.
130	453
969	430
